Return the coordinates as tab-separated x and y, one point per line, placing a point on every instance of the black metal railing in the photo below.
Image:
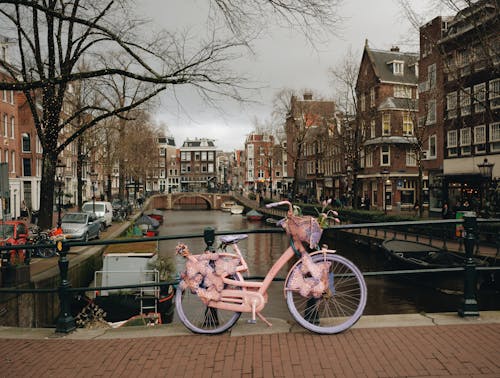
469	237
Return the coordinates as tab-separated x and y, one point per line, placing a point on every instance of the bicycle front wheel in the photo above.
199	318
341	304
45	252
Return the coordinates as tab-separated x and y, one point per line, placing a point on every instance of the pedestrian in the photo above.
416	207
445	211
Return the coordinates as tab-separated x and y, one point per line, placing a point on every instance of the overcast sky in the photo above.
282	59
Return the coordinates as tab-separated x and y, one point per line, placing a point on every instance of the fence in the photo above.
469	237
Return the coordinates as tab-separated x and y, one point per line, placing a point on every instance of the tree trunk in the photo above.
79	174
45	218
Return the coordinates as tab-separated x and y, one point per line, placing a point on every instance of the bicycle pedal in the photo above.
251	321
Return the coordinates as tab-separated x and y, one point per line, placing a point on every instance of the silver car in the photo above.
81	226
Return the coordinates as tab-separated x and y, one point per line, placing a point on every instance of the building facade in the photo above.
198	165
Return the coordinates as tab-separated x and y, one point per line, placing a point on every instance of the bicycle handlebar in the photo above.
275	204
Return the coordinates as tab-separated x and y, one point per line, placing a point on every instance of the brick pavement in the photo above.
465	350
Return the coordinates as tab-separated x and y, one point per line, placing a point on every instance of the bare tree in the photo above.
54	36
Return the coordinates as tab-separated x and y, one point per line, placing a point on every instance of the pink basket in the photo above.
305	229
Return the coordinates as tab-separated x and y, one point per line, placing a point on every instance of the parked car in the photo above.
81	226
103	210
14	233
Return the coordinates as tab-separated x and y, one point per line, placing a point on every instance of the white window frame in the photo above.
495	137
465	141
368	158
385	153
432	147
479	97
407	124
398	67
494	93
431	76
5	125
465	101
372	97
12	127
402	91
372	128
431	112
480	139
451	105
411	158
386	132
452	143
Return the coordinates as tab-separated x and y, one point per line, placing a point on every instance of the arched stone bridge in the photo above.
169	201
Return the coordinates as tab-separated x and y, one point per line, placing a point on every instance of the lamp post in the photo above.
486	171
387	182
93	180
59	181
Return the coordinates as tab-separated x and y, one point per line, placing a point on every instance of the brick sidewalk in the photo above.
422	351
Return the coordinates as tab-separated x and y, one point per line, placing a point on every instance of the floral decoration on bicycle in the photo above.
204	273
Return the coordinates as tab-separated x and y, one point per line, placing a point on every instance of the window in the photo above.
210	168
431	112
13	161
494	93
465	141
372	97
385	155
465	101
5	125
4	95
386	124
12	127
362	103
411	159
398	67
480	139
451	105
372	128
407	125
479	97
204	155
402	91
452	143
431	76
495	137
369	158
432	147
12	97
26	144
210	155
26	167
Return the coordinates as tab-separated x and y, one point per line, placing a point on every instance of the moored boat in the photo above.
254	215
405	254
237	209
226	206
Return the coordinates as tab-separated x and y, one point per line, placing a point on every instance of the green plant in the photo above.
165	266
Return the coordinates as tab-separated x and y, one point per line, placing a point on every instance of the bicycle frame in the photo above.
253	296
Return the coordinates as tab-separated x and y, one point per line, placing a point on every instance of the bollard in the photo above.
209	237
469	303
65	321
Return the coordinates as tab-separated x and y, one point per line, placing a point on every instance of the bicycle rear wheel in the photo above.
199	318
45	252
339	307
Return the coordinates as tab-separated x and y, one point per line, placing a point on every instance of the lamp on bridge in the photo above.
486	171
59	181
387	183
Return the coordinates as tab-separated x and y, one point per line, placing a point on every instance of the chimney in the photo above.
308	96
395	49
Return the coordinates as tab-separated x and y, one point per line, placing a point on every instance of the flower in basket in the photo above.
325	216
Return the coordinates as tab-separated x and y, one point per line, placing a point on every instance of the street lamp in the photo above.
486	171
93	180
59	180
387	182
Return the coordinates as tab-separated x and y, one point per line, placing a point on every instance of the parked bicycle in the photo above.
43	242
325	292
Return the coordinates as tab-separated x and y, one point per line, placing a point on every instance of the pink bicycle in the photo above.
325	293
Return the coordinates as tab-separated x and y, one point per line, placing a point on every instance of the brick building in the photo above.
387	107
259	164
198	165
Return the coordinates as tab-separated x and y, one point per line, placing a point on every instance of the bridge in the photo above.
188	200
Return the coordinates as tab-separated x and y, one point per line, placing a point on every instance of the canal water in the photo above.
386	294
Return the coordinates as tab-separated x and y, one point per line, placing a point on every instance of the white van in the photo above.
103	210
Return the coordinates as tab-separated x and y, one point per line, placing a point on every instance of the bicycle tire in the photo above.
45	252
340	306
199	318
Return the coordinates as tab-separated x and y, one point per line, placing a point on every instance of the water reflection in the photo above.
386	295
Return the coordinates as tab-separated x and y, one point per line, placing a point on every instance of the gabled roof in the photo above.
381	61
392	103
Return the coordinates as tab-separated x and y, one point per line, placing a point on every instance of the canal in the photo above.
386	294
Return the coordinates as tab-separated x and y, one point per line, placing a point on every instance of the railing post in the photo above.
469	304
65	321
209	237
